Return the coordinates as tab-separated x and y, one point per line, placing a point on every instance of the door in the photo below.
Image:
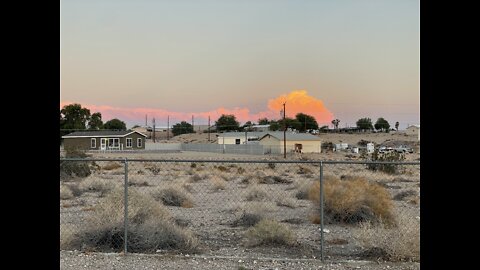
103	144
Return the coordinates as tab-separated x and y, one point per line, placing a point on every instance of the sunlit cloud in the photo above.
297	101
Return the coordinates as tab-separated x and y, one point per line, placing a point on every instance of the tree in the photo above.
227	122
95	122
365	124
274	125
247	126
135	126
182	128
291	123
307	121
263	121
115	124
382	125
335	123
73	116
396	125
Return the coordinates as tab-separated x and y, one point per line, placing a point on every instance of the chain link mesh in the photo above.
232	208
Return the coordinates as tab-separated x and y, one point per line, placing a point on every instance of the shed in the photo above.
104	140
304	142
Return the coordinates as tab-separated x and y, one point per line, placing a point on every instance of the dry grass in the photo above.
218	184
93	184
197	177
404	194
287	202
65	193
353	201
270	233
173	196
151	227
273	179
406	244
256	193
111	166
303	187
136	182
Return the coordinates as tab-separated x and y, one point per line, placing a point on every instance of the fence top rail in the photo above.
239	161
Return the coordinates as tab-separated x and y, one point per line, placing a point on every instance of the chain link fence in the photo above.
280	209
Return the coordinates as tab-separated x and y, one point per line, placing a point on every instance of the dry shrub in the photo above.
353	201
303	187
248	219
93	184
286	202
246	180
399	243
153	168
256	193
133	181
112	166
218	184
73	169
273	179
270	233
223	168
65	192
151	227
404	194
197	177
304	170
240	170
337	241
271	165
173	196
76	190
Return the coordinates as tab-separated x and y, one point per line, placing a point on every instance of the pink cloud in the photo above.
297	101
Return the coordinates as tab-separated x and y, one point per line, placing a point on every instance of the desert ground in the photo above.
215	208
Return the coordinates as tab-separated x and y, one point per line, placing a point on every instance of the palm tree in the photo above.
396	125
335	123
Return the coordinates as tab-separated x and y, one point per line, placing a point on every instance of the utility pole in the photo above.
193	127
168	127
305	124
209	128
145	121
284	133
154	129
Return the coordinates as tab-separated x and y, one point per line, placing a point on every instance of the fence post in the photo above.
125	207
321	212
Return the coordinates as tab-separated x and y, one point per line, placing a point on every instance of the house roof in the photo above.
101	133
242	134
291	136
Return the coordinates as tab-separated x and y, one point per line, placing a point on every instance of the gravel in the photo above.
77	260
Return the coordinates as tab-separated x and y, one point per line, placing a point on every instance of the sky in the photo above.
332	59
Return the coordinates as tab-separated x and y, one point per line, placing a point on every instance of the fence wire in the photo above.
241	208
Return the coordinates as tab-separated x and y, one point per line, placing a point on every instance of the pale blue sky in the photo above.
360	57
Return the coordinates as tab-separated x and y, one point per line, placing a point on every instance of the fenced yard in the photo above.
242	208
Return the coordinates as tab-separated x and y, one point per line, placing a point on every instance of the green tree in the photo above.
95	122
382	125
73	116
227	122
263	121
396	125
274	125
135	126
291	123
115	124
182	128
306	121
365	124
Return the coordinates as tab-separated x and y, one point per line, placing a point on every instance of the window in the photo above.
129	142
113	142
139	142
237	141
93	143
